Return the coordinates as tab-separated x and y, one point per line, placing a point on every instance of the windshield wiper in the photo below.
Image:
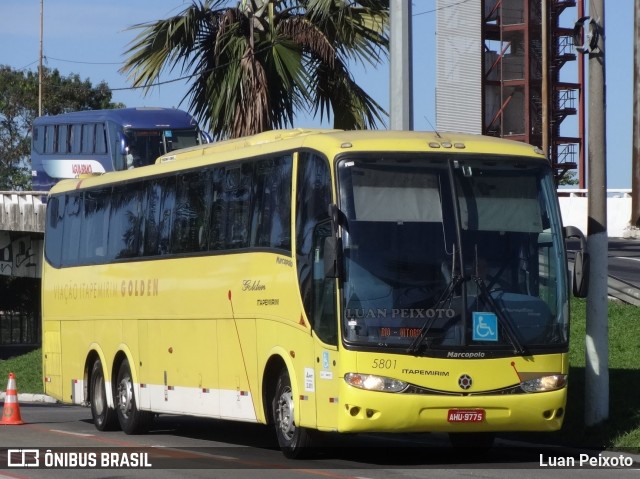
504	320
456	279
444	297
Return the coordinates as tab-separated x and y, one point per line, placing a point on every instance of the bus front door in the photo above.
325	327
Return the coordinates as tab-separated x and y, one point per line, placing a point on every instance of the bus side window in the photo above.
72	228
237	219
125	222
270	226
54	231
93	245
190	213
324	291
160	203
312	203
38	139
88	138
50	139
116	146
76	138
218	209
63	139
101	139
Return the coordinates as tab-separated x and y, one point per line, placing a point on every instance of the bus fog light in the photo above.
372	382
545	383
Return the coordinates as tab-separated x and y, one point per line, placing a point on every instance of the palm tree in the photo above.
253	66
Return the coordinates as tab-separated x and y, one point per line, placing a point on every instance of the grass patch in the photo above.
28	371
620	431
622	428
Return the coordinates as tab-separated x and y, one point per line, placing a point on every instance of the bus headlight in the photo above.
371	382
545	383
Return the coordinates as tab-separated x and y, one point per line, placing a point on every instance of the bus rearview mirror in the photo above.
581	274
580	279
332	257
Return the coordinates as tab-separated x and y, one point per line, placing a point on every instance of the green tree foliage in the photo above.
251	67
19	107
568	178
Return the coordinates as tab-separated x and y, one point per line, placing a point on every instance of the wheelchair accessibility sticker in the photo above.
485	326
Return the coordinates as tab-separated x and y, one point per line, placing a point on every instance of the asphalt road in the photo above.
623	268
624	260
186	447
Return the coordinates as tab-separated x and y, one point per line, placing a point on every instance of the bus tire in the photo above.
294	441
131	419
104	417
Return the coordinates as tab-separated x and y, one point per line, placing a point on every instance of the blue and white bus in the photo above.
97	141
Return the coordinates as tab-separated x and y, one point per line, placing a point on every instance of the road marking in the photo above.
222	458
627	257
71	433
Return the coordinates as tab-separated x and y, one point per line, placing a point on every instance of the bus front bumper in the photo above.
369	411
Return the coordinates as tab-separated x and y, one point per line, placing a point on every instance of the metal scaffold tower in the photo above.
515	64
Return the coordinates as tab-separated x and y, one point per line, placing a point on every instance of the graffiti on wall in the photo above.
19	255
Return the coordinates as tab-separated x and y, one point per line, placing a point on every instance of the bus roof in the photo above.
140	117
330	142
360	140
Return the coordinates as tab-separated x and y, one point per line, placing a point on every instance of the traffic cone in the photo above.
11	410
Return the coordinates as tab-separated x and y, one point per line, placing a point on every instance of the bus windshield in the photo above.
143	146
452	256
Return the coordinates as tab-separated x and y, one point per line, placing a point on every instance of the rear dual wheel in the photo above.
131	419
104	417
126	414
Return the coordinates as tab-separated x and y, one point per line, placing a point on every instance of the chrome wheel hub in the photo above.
284	414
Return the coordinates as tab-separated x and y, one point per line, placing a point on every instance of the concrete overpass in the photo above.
22	220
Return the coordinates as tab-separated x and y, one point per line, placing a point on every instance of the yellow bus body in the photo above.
204	334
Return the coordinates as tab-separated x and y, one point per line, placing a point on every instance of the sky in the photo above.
90	38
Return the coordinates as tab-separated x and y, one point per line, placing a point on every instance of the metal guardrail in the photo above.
584	192
623	291
617	288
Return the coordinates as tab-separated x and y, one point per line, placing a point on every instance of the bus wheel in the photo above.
104	418
132	420
294	441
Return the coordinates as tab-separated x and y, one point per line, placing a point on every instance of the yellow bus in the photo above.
315	280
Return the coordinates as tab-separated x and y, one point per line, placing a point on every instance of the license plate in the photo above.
466	415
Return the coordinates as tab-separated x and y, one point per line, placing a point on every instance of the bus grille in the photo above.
413	389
